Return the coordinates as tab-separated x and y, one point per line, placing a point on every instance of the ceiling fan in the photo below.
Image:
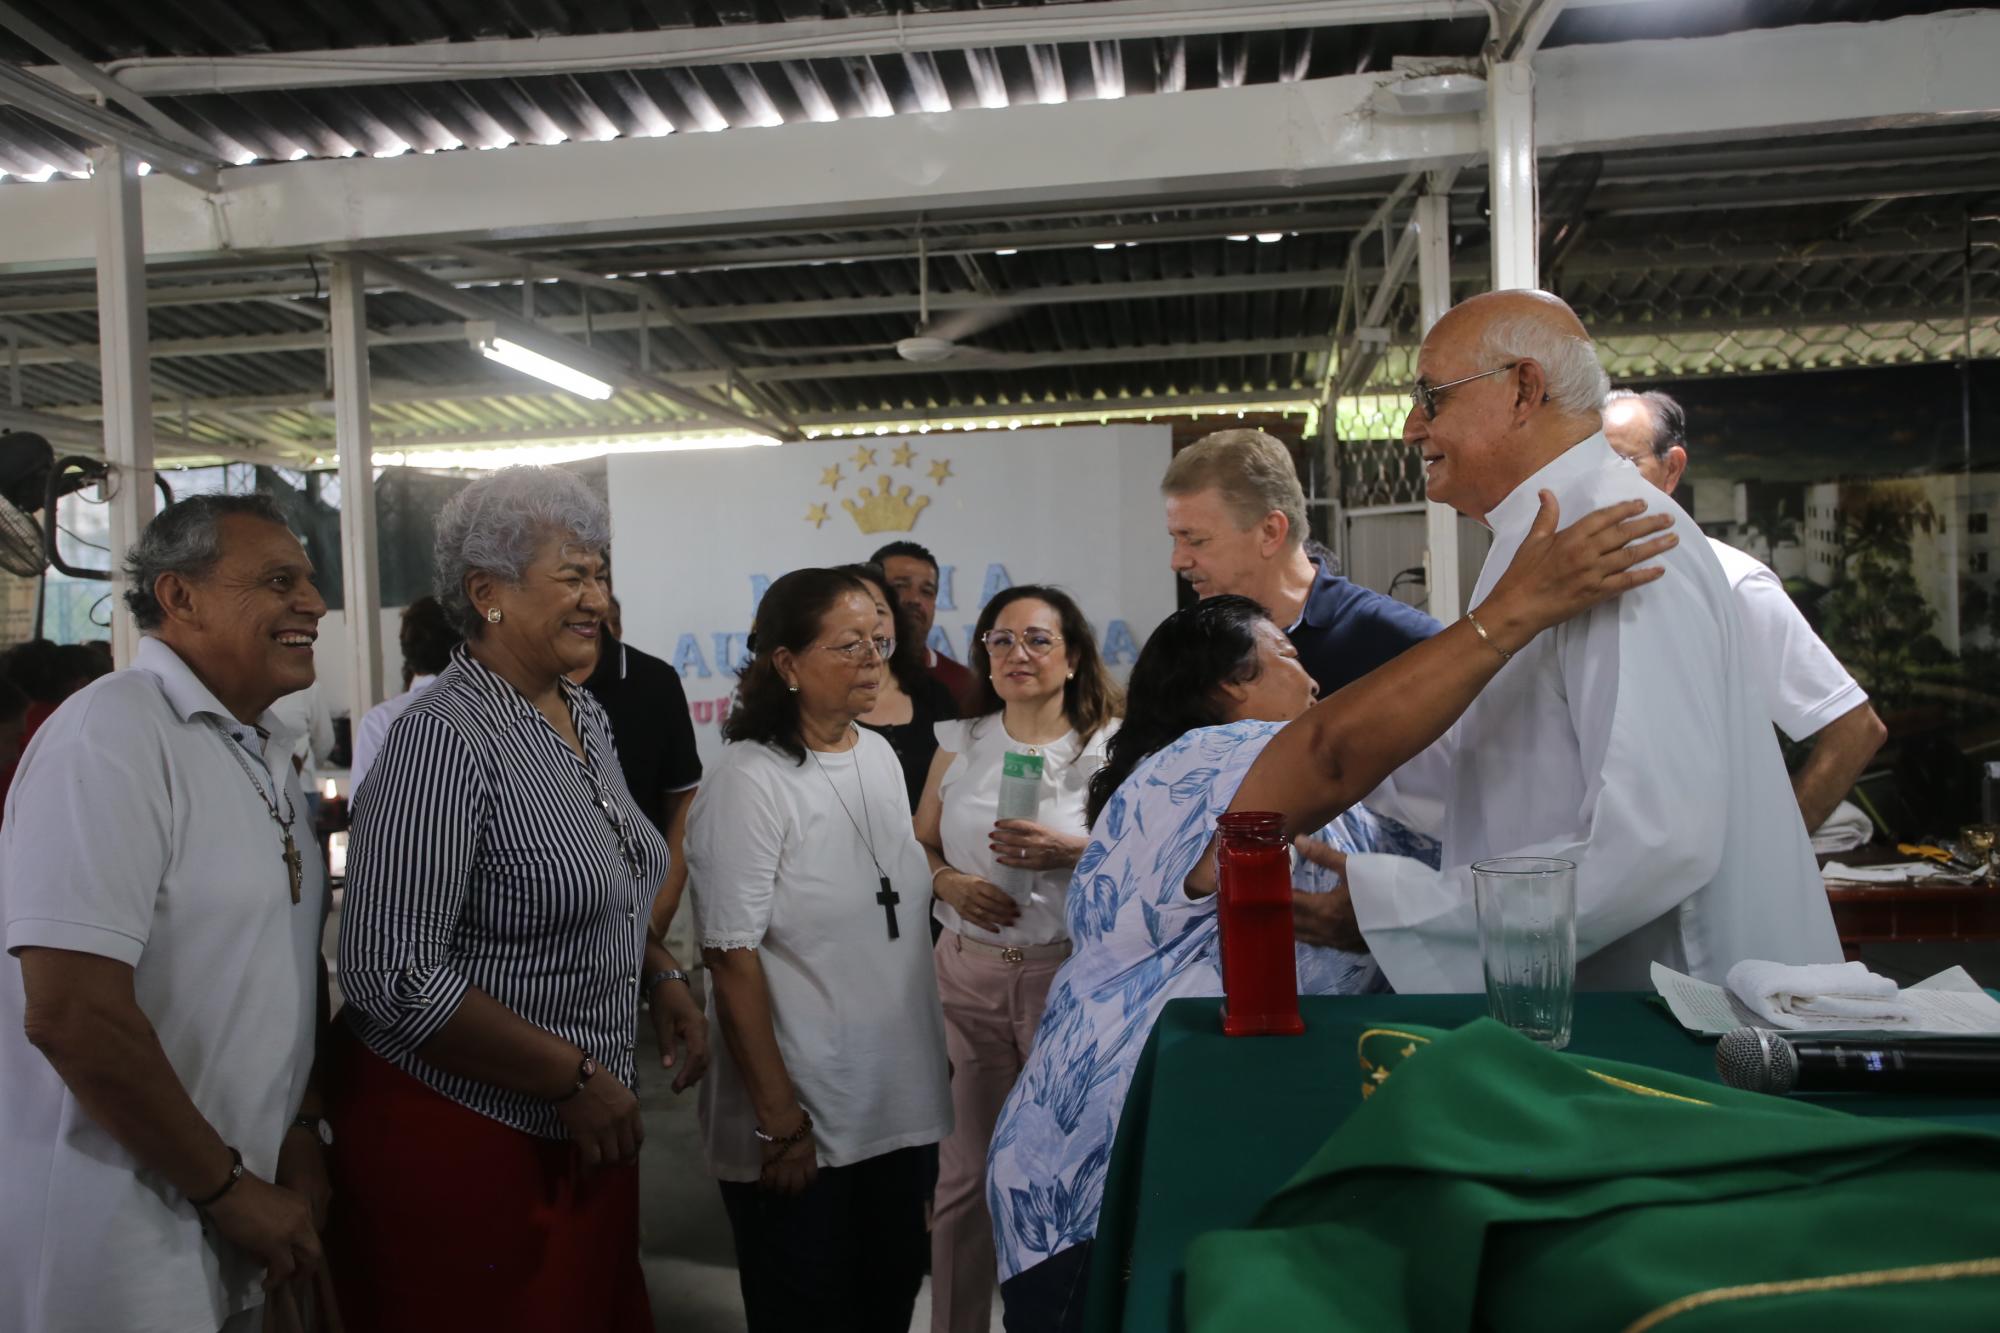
933	341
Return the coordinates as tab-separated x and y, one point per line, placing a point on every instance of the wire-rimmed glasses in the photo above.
852	653
1425	396
1038	642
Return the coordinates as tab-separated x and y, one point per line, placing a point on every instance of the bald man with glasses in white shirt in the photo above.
1631	740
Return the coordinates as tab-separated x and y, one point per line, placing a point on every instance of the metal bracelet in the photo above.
1481	629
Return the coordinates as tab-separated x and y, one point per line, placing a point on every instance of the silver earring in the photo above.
493	616
1070	676
792	688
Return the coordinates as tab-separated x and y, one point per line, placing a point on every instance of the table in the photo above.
1214	1125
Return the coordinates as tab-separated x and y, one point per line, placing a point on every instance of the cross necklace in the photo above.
887	896
294	863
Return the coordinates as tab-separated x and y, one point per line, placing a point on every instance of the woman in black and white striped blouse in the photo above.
493	955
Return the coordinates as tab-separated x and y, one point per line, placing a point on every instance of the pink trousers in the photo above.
991	1010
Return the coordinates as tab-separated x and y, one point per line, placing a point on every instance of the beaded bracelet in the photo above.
795	1137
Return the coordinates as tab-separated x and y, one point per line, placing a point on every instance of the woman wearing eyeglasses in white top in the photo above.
1001	894
829	1077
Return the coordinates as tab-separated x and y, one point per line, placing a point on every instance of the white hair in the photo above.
1577	382
498	523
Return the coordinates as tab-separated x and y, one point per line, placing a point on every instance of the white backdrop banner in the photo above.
698	535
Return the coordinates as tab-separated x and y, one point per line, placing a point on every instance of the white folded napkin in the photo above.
1902	872
1844	830
1818	994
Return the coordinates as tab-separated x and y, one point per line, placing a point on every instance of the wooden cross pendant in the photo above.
294	864
888	897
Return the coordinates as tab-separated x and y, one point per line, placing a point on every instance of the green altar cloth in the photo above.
1215	1126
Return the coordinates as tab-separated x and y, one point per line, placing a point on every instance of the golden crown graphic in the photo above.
884	510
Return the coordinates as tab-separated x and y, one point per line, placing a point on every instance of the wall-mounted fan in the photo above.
33	480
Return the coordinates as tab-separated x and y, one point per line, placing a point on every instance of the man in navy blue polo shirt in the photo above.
1237	515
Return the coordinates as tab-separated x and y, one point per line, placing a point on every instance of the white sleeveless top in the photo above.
970	793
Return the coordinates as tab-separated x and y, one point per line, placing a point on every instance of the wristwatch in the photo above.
315	1126
653	980
585	1069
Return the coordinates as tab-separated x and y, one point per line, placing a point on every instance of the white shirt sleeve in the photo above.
1646	715
89	834
368	738
1803	684
735	840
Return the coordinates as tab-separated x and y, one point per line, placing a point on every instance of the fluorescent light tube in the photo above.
529	362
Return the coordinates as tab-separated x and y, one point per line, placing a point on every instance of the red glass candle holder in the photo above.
1260	975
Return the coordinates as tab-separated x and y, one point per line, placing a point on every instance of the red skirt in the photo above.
446	1219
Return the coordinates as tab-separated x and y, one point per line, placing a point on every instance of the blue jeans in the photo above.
1049	1297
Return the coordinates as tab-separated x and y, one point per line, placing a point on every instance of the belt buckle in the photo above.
1013	955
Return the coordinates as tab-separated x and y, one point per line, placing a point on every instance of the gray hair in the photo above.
1576	379
1252	471
496	525
185	538
1669	418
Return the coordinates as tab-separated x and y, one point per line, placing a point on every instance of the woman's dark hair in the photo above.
427	637
49	672
789	617
1090	698
1174	685
908	664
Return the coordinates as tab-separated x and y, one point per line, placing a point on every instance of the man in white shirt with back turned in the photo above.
1808	692
1632	740
162	990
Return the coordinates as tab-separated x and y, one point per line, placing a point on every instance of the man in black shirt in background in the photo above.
654	736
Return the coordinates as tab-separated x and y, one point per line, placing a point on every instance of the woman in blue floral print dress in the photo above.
1140	941
1216	683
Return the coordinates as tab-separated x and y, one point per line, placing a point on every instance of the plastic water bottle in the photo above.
1020	798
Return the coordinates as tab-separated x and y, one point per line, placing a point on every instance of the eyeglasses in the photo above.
1426	396
1038	642
854	653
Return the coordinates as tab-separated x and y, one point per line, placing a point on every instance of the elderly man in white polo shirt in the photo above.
1809	692
162	989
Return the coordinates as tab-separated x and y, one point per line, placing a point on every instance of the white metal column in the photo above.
1445	601
1510	149
127	380
360	566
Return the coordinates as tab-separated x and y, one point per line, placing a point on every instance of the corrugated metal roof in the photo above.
1838	249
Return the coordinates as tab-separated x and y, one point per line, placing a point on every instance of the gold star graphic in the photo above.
831	477
815	514
903	454
1379	1074
940	469
863	457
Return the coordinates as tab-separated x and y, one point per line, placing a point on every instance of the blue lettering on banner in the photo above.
759	584
732	652
997	582
940	642
688	658
1119	646
945	601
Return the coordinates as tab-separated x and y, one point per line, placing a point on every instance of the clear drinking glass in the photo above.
1527	941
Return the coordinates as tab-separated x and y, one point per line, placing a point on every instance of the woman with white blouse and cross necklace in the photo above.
811	898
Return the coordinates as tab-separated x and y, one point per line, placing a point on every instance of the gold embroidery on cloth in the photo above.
1376	1074
1645	1091
1881	1277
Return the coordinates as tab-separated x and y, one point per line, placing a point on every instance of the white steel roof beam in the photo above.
1926	70
809	39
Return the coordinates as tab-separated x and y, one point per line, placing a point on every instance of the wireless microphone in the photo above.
1760	1060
